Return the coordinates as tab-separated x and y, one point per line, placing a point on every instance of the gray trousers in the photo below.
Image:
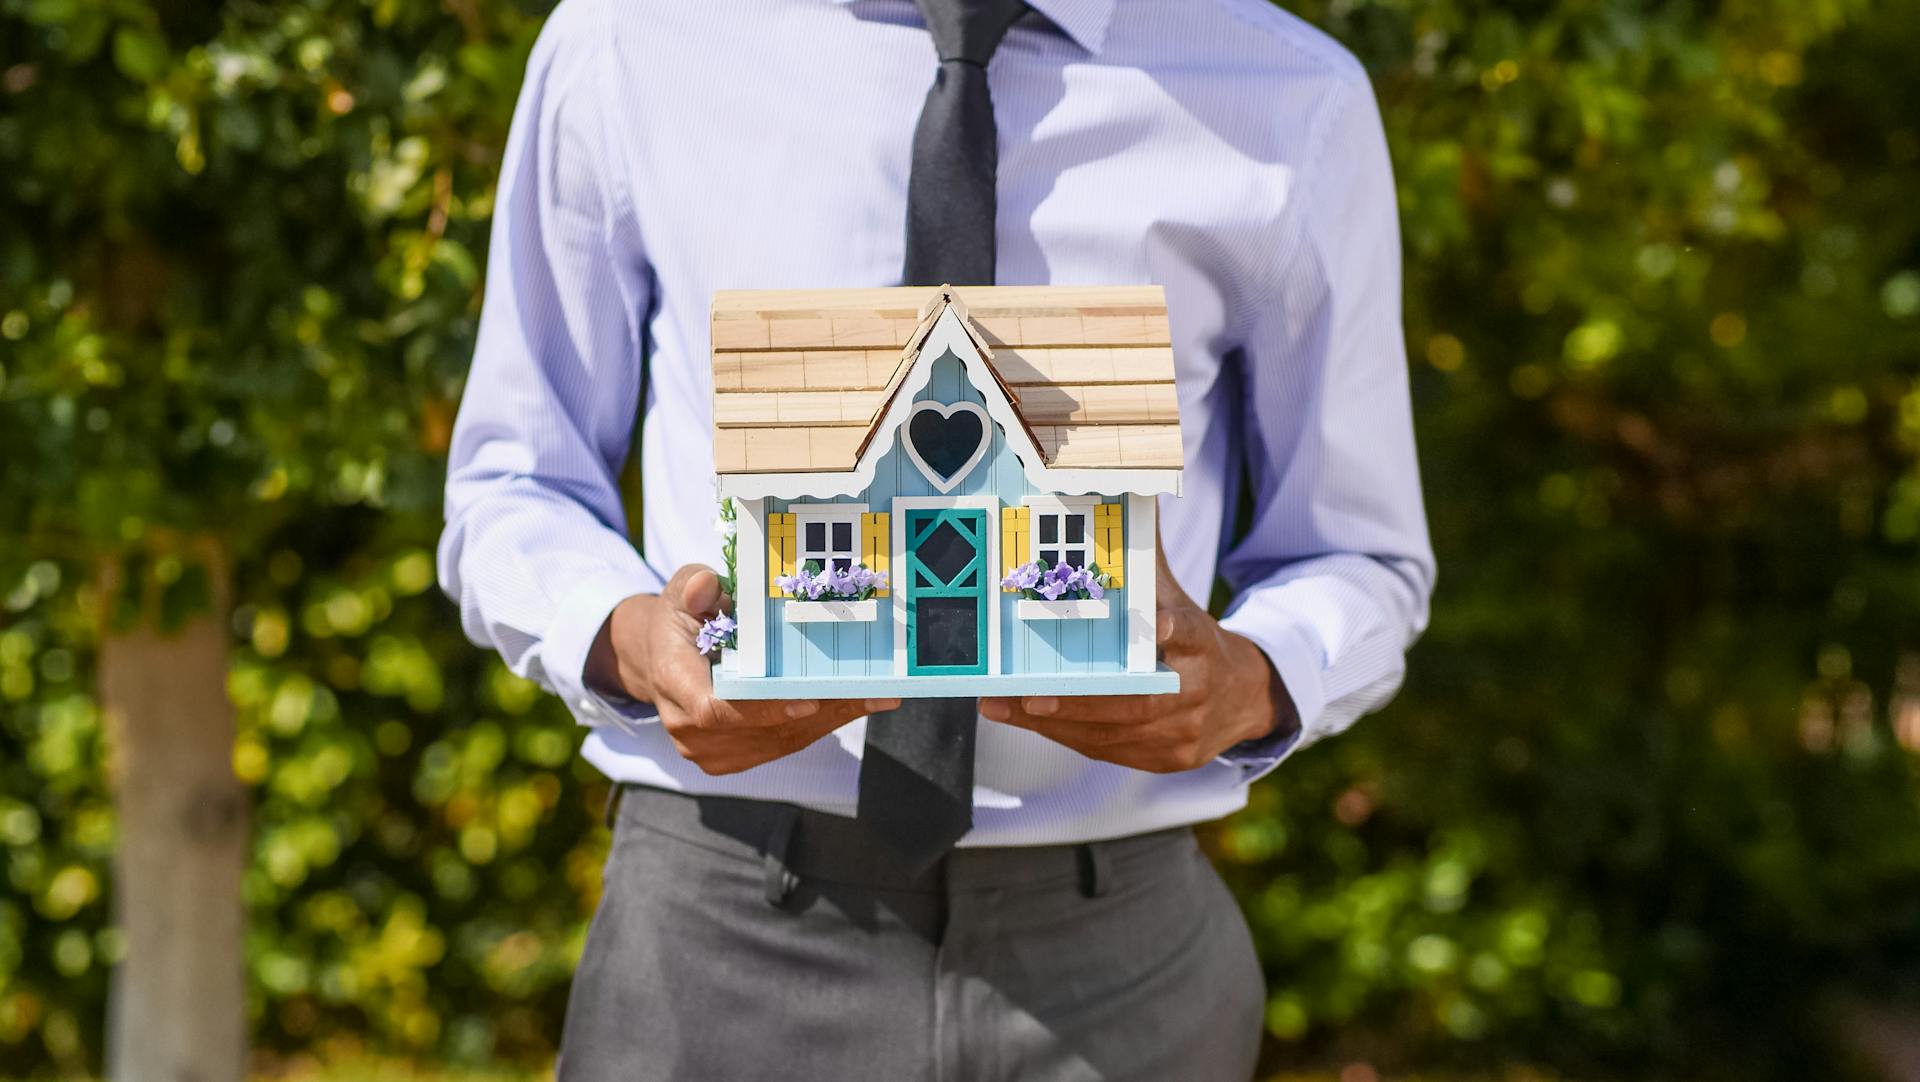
741	940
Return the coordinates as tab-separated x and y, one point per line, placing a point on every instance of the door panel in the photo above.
948	630
946	586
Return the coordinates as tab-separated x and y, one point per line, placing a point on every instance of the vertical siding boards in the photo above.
1042	646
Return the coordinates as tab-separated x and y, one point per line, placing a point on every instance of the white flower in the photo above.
726	528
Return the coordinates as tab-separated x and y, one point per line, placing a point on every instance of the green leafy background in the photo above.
1646	809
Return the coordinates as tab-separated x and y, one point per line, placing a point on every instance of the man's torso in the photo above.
766	144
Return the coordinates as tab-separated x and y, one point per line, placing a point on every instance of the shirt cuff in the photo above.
1297	658
569	639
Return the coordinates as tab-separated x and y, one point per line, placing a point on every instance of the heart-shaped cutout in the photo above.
946	441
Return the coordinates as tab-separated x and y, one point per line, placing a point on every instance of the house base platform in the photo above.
1163	682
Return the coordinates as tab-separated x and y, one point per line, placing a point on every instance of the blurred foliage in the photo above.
354	1068
348	1067
1647	808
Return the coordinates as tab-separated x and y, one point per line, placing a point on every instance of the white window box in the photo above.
1085	609
832	612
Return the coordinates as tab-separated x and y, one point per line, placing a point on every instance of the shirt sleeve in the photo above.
535	549
1333	579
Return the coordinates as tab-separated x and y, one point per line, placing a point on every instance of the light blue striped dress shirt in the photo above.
1220	148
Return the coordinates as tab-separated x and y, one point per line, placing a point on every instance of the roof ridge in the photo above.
1053	351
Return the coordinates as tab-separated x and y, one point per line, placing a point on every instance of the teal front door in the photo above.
946	583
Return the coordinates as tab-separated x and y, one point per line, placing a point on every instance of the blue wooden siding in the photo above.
1026	646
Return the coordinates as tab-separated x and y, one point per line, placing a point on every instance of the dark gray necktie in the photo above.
916	778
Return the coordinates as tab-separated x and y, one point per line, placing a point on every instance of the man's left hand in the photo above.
1228	694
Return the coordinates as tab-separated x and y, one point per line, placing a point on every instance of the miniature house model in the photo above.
944	491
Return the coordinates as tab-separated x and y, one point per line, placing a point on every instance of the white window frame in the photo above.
829	514
1059	507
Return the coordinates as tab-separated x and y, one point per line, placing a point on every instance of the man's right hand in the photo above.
645	651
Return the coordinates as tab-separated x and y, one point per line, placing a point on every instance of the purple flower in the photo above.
1024	577
1063	580
715	634
1086	582
851	583
862	582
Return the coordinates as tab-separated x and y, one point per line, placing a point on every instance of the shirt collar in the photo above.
1085	21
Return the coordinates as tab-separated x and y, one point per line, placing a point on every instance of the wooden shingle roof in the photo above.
801	378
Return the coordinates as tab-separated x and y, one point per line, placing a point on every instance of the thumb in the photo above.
694	590
1182	629
1180	626
1165	586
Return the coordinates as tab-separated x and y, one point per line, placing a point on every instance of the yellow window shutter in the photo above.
876	540
782	543
1013	540
1109	546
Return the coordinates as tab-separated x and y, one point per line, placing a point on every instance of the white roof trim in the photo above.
950	332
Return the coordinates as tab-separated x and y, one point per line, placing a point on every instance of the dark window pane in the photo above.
816	536
1049	529
1047	556
946	631
923	580
946	443
843	537
842	563
1076	529
972	579
946	552
1076	557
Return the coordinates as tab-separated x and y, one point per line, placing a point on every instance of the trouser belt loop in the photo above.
780	878
1096	869
614	795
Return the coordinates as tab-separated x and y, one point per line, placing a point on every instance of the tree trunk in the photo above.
179	1007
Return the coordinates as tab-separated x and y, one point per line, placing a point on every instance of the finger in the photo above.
773	713
851	708
682	679
834	713
1101	709
685	682
1085	737
1160	746
1180	626
694	590
725	751
744	749
1165	586
1110	709
758	715
1183	630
